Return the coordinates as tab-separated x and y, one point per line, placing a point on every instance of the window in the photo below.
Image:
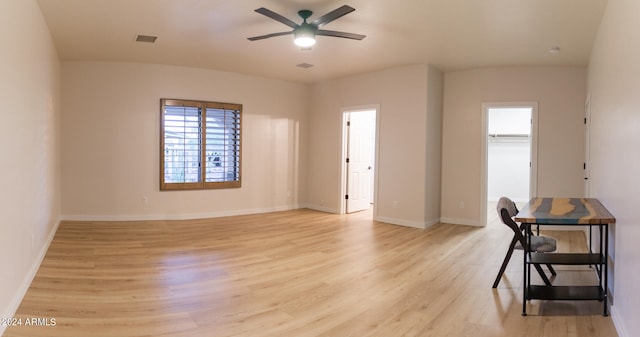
199	145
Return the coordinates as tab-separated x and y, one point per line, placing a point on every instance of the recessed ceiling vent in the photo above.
304	65
146	38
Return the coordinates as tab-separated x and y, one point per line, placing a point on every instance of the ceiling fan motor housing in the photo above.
306	30
305	14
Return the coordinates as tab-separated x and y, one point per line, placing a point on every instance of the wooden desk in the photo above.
567	212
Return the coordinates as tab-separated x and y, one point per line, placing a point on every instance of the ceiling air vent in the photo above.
146	38
304	65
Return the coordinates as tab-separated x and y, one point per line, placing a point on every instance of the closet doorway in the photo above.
510	154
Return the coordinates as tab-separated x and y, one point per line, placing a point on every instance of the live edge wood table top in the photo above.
565	211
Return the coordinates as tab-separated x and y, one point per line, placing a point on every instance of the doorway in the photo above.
509	154
359	158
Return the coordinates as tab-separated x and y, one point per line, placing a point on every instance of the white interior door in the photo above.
360	159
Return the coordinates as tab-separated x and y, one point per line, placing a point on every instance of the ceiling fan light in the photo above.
304	41
305	35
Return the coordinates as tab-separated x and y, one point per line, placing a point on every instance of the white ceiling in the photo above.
449	34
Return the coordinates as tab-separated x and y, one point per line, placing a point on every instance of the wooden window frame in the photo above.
236	163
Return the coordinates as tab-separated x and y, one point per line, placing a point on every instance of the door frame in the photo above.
484	155
587	146
343	160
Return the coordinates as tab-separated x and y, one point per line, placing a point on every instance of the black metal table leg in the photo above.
525	274
606	262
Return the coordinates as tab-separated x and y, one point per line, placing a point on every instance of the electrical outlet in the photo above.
461	204
145	200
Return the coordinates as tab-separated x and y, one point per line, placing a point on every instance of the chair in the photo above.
507	210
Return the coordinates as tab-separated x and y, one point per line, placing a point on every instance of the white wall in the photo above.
614	79
402	173
508	158
560	93
29	155
110	141
508	170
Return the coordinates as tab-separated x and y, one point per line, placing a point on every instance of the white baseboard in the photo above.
406	223
181	216
620	328
431	222
320	208
393	221
465	222
26	282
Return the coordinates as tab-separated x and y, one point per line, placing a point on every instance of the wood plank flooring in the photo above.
294	273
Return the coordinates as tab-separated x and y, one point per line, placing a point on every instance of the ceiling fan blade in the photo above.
340	34
262	37
335	14
276	16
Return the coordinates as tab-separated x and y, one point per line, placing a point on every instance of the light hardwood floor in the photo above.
294	273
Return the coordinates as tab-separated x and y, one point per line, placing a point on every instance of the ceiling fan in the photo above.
305	33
